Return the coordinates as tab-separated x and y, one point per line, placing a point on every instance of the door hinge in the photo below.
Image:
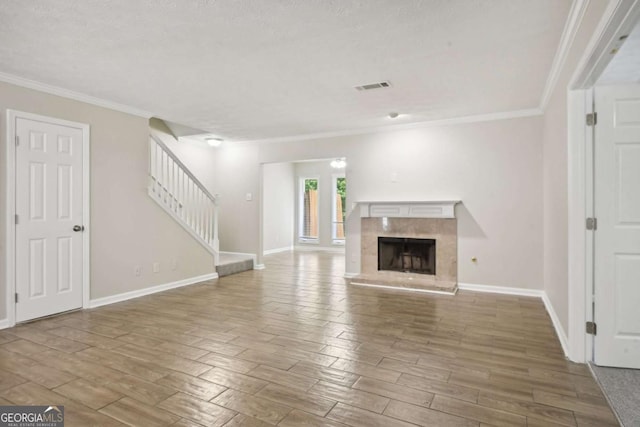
17	140
592	223
592	119
17	219
591	328
16	297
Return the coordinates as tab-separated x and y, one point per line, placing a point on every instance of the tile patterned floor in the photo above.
293	345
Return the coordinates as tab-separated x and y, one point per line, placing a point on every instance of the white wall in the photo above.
127	227
278	192
495	168
324	172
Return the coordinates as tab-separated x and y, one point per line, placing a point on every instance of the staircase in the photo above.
183	196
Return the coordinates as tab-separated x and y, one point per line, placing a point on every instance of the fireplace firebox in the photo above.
407	255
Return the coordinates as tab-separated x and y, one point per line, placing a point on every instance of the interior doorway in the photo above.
48	200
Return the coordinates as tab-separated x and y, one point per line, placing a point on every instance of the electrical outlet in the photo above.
137	270
156	267
174	264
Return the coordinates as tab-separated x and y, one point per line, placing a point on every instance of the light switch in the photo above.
394	177
248	197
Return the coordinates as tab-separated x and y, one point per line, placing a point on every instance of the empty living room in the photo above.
320	213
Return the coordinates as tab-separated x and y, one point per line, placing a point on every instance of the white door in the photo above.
49	205
617	238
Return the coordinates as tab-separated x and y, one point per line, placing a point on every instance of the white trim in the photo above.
506	290
278	250
334	249
350	275
562	337
576	13
504	115
412	209
579	103
151	290
10	242
4	324
259	266
619	17
398	288
537	293
69	94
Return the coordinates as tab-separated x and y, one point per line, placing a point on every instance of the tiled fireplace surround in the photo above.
419	220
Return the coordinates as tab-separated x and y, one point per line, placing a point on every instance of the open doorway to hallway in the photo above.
304	206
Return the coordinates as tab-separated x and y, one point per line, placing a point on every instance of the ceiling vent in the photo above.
371	86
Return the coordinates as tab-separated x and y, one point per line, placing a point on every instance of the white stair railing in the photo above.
183	196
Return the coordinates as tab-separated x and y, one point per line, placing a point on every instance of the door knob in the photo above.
78	228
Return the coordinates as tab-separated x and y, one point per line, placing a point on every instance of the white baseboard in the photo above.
258	266
350	275
562	337
564	342
244	254
314	248
4	324
501	290
151	290
278	250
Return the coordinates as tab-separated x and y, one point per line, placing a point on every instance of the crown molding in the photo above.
571	26
69	94
504	115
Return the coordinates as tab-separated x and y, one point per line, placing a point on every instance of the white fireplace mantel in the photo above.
416	209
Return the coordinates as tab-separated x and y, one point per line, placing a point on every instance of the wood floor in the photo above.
293	345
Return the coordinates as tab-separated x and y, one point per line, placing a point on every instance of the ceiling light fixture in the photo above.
393	115
214	142
338	163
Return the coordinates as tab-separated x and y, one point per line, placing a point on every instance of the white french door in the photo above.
49	217
617	238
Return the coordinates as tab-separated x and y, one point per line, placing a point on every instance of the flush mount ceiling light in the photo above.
338	163
214	142
393	115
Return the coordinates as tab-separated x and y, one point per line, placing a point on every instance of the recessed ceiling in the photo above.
256	69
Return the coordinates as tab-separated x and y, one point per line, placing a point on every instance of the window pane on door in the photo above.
309	229
339	208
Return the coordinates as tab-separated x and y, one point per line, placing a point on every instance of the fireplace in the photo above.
411	245
407	255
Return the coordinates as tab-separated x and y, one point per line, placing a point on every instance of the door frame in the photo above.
10	258
618	19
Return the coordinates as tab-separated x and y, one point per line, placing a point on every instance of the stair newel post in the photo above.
216	241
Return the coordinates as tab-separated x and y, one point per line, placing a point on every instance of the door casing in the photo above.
10	259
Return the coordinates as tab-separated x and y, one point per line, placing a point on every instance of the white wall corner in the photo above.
564	342
151	290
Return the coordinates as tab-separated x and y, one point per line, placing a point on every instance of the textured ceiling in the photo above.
625	65
256	69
